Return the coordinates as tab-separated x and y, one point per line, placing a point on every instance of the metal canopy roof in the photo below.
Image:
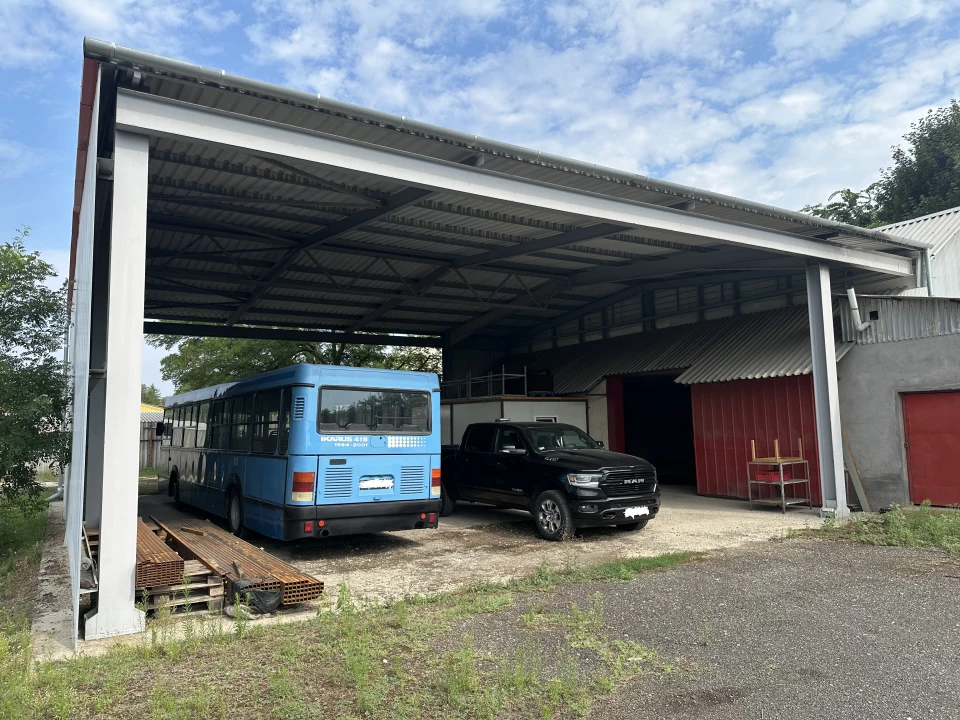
237	236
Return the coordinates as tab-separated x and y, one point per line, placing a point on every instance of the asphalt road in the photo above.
796	630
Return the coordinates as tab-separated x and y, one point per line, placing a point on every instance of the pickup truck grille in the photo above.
629	481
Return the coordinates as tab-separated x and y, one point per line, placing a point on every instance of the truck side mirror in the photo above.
160	428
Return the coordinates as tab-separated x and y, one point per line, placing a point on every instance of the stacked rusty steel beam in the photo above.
236	560
157	564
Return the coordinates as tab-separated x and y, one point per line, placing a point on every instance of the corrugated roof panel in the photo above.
767	344
937	229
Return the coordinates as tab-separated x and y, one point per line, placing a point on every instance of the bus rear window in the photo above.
354	410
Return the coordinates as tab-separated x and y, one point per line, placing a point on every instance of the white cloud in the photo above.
824	28
776	100
40	32
16	159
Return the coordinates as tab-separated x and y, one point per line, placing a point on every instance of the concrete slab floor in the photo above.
51	631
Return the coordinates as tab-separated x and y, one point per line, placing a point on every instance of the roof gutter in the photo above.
111	52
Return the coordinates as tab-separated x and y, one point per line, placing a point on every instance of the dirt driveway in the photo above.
482	543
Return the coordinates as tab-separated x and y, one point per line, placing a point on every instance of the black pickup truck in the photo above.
557	472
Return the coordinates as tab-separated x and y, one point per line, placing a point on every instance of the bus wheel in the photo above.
175	491
235	513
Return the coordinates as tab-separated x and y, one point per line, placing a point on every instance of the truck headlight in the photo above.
584	480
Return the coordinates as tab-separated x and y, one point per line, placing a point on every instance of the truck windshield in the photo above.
559	438
356	410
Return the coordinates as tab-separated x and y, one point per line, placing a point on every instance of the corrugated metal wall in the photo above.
727	416
900	318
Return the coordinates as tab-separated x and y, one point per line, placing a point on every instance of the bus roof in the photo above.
314	375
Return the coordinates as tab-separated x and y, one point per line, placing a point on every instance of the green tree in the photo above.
200	362
924	177
414	358
150	395
851	207
34	391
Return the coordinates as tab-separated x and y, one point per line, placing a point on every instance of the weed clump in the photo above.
922	526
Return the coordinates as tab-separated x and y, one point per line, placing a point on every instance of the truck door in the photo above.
509	460
474	477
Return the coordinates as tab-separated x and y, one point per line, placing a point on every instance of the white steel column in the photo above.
827	400
116	614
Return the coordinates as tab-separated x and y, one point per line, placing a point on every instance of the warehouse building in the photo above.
226	206
691	398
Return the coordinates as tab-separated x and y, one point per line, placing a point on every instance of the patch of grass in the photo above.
352	660
923	526
21	540
46	475
547	576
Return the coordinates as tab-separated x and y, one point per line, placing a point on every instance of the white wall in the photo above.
446	427
573	412
462	414
597	414
456	416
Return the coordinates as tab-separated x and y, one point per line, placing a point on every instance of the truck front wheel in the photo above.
447	501
553	517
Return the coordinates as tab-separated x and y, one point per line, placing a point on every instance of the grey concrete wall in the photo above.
872	379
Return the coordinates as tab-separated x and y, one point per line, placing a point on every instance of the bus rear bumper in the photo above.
359	518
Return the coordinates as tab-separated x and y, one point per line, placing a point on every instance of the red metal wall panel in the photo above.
727	416
931	423
616	433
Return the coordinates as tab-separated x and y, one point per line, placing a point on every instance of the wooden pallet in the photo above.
93	539
199	589
157	564
235	560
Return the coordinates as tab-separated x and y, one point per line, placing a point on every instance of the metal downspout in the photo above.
855	311
928	275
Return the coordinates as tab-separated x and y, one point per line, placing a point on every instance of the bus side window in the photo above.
167	427
202	421
266	416
190	426
240	437
285	420
178	428
223	425
216	420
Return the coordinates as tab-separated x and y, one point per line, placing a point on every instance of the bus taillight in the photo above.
303	486
435	482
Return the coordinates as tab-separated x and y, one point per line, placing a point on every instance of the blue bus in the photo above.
308	451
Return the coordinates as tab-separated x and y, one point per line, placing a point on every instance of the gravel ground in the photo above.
482	543
797	630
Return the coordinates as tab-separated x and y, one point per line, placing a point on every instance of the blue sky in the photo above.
780	101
